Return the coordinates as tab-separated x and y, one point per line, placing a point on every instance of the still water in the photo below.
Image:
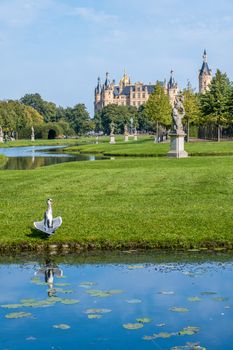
24	158
129	301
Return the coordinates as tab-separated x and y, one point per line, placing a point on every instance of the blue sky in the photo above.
59	47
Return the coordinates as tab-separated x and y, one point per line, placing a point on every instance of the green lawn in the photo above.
40	142
122	203
145	146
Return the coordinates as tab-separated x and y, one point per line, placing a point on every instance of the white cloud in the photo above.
17	13
92	15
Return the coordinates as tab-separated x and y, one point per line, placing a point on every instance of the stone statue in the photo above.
112	127
178	114
33	134
49	224
126	129
112	136
1	135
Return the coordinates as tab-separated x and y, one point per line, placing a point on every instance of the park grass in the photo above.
146	147
40	142
122	204
3	160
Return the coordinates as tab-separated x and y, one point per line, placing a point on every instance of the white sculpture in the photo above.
1	135
33	134
48	224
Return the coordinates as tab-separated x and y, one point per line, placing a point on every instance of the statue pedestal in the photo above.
126	138
112	139
32	138
135	137
1	139
177	145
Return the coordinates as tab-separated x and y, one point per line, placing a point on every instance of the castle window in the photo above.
133	95
144	95
139	95
138	89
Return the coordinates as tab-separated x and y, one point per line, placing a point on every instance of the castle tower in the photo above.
205	75
172	89
98	91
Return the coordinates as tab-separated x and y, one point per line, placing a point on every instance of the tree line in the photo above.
215	107
31	110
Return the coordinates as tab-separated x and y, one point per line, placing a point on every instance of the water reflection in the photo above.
26	158
49	271
117	301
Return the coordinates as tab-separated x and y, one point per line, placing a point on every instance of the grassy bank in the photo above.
146	147
3	160
122	204
55	142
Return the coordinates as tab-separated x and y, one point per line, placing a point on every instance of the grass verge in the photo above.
121	204
146	147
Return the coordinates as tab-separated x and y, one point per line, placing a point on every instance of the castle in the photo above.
129	94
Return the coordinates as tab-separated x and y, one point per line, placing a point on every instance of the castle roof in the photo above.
126	90
205	68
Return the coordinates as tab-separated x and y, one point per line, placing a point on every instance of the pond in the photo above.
126	300
24	158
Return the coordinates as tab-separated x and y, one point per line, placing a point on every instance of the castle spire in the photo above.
205	75
107	81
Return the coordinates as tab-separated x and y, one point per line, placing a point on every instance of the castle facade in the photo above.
127	93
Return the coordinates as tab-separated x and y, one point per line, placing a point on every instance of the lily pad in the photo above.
194	299
189	330
98	293
189	346
40	303
11	306
87	284
160	324
149	337
97	311
62	284
69	301
94	316
18	315
167	293
179	309
144	320
132	267
132	326
61	326
63	291
164	335
115	291
208	293
221	299
133	301
103	294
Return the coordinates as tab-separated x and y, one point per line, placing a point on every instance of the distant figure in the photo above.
48	216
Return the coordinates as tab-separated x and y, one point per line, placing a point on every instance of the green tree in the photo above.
192	108
47	109
78	118
119	115
215	102
144	122
158	108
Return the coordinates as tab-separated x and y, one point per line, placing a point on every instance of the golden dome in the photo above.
125	80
